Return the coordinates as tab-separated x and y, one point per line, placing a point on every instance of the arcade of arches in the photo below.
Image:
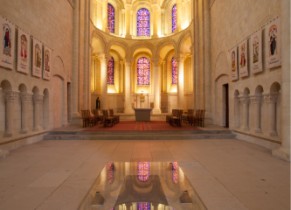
162	54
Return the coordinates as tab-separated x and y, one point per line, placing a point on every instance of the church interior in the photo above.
227	59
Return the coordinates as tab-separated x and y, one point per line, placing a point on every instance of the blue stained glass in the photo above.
110	18
143	206
143	71
174	71
110	71
143	22
174	18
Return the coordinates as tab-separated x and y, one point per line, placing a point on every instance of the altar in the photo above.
142	114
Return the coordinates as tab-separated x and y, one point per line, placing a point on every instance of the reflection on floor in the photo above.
142	186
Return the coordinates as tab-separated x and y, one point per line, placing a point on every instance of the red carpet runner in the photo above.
141	126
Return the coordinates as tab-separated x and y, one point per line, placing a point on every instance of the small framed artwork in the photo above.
47	55
23	52
255	46
36	58
243	59
234	67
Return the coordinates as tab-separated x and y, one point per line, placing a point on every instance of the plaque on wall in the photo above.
243	59
7	43
255	46
234	69
36	58
23	52
273	35
47	63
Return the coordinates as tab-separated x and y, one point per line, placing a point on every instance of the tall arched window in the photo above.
143	71
110	18
143	22
110	71
174	71
174	17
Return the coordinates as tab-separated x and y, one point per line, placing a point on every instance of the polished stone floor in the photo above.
227	174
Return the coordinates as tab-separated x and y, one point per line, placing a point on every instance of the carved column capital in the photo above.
25	97
38	99
11	96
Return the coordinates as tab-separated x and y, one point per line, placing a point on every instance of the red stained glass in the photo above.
143	71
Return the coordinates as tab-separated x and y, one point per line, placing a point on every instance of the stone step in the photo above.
145	135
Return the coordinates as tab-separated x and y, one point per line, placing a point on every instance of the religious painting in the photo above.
273	54
234	68
255	45
7	33
243	59
23	52
36	58
47	63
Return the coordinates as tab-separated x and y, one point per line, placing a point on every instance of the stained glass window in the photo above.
143	71
143	171
174	71
110	18
143	22
110	71
174	18
143	206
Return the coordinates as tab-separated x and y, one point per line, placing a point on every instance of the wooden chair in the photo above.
115	117
107	120
201	118
189	117
98	117
168	117
176	119
88	120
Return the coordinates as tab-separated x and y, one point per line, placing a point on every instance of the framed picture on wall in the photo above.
243	59
23	52
273	48
47	55
7	43
36	58
255	46
234	67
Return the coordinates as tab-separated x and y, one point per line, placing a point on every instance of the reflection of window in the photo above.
174	18
143	71
110	172
110	18
143	206
174	71
143	171
143	22
175	172
110	71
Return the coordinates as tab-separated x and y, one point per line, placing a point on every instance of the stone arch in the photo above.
246	109
6	124
185	43
258	99
58	100
37	99
46	111
25	98
274	109
137	5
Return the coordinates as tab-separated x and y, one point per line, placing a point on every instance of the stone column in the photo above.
127	20
236	112
284	151
156	20
37	111
257	101
103	75
104	15
127	88
75	71
11	99
273	114
245	102
157	87
25	100
180	86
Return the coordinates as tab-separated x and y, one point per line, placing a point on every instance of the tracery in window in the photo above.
143	71
110	71
143	22
174	71
174	18
111	18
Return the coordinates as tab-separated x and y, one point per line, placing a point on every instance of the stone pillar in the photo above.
245	102
273	114
75	72
236	112
180	86
11	98
127	20
37	111
86	57
103	75
156	20
25	100
284	151
257	101
127	89
157	87
104	15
